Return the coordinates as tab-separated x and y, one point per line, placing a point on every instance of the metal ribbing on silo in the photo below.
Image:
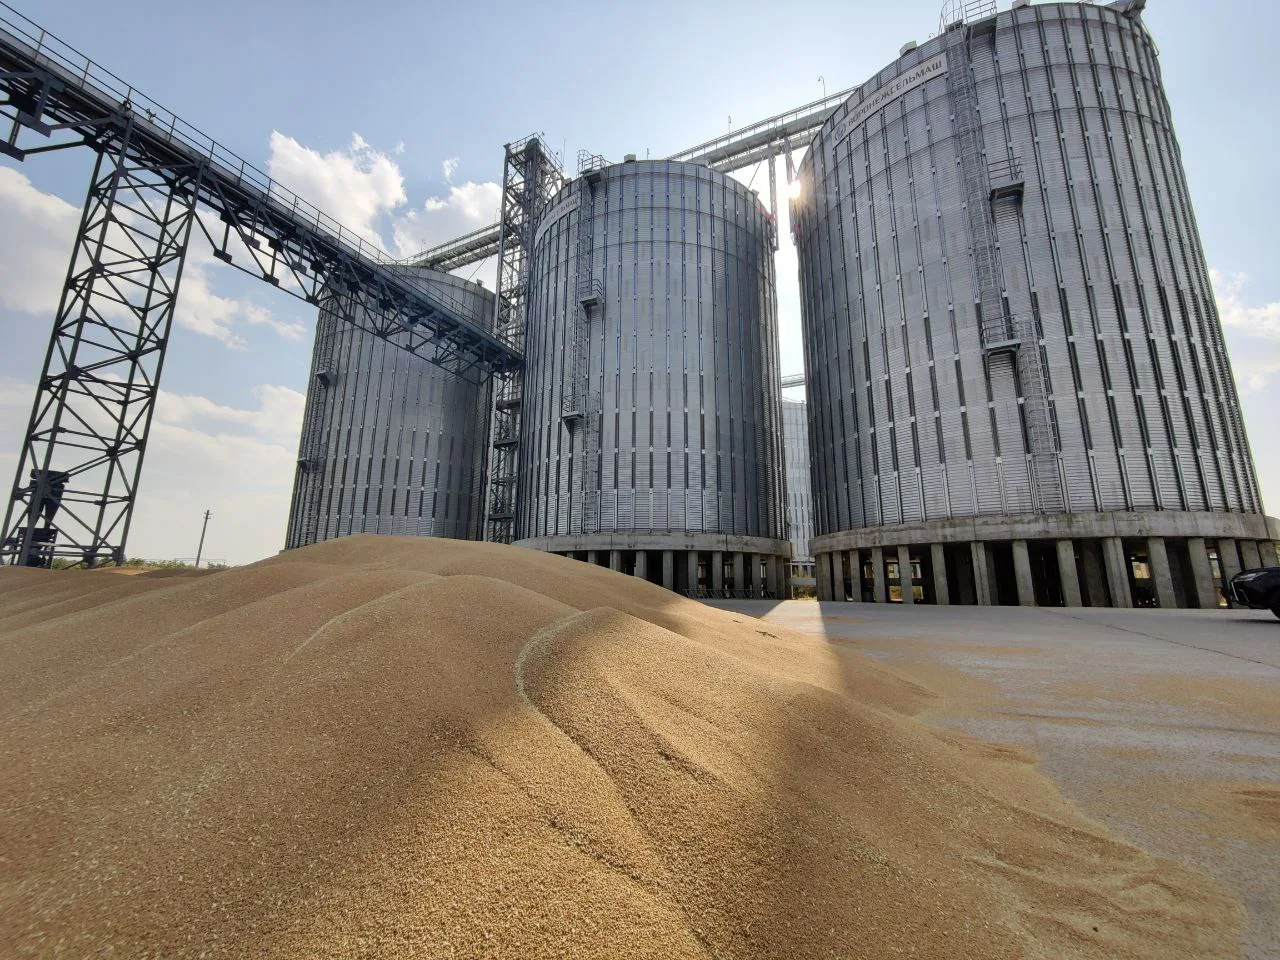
390	443
681	428
913	420
795	438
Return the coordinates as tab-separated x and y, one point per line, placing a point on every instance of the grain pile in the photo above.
387	747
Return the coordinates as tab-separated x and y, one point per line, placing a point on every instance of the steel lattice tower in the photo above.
529	178
84	445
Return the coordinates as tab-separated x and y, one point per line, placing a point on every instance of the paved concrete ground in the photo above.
1163	724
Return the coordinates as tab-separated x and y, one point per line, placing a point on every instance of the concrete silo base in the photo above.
1152	559
721	566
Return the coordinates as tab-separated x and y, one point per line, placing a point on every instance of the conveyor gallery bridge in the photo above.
156	179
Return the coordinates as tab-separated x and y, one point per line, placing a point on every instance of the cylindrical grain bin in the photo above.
391	443
651	436
1016	369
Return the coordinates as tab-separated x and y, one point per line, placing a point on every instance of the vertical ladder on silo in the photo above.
588	292
1037	417
580	407
975	187
982	186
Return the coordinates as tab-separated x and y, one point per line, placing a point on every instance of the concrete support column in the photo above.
669	569
593	557
1161	575
773	567
981	573
822	569
1229	562
938	560
1267	551
739	572
1068	575
717	571
753	574
615	560
1022	573
881	590
1117	563
691	571
1202	572
855	575
905	581
642	564
1095	580
1250	555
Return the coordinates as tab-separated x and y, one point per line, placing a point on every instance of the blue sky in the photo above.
393	120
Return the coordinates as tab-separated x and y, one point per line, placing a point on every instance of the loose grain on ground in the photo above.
391	747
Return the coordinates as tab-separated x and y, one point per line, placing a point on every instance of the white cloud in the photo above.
237	461
35	245
1256	377
278	414
1255	321
205	312
356	186
363	188
468	207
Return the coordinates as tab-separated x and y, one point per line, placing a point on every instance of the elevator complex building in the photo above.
1018	387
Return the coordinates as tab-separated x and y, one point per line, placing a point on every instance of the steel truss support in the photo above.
78	473
529	178
82	454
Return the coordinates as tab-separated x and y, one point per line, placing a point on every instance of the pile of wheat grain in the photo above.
387	747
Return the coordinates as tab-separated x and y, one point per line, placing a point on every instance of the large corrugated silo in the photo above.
651	436
1019	384
391	443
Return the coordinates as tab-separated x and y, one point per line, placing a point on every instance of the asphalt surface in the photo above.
1162	724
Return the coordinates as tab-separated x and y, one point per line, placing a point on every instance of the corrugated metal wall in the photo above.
1103	253
390	443
682	412
795	440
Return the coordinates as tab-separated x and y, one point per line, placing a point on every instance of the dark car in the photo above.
1257	589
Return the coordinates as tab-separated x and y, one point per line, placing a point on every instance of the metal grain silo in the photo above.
1019	385
651	436
390	443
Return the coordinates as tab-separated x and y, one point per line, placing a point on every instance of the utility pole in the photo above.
200	549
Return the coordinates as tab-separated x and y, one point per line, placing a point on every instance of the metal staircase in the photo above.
529	179
1037	419
975	187
983	186
580	407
